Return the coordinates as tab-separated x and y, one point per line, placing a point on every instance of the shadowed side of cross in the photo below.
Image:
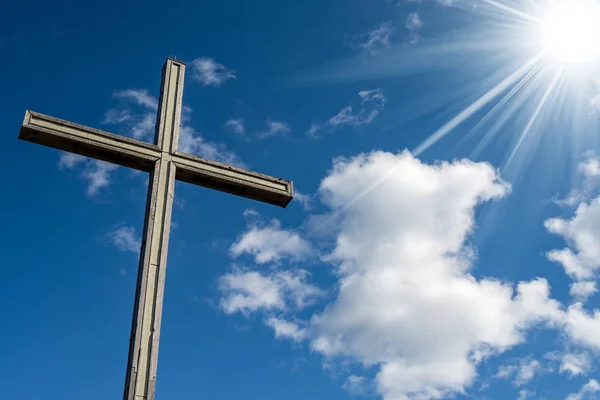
165	165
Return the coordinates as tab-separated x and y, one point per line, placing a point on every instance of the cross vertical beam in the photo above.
140	379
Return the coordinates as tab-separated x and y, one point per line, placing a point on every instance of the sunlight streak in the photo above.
534	117
512	11
476	106
501	103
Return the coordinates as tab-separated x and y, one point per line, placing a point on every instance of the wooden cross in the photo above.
165	165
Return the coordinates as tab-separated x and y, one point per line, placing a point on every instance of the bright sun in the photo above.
570	32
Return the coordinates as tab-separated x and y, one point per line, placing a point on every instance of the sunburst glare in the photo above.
569	32
524	70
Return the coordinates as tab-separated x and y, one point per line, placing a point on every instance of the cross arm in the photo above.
233	180
89	142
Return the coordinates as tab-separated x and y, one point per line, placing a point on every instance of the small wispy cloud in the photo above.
250	291
70	160
144	126
209	72
581	291
141	125
98	176
313	131
274	128
587	391
356	385
590	170
236	125
96	173
413	23
304	199
125	239
522	372
271	244
116	116
192	142
575	364
372	103
140	96
377	38
286	329
525	394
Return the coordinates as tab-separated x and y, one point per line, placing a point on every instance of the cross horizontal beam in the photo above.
74	138
229	179
68	136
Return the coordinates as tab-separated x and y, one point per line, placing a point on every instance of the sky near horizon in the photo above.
443	243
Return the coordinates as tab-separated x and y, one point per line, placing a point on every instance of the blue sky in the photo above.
443	242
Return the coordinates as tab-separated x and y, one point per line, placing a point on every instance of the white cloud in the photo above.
582	260
581	291
140	96
70	160
378	38
304	199
357	385
372	103
125	239
250	213
236	125
575	364
141	125
590	169
407	302
96	173
582	327
144	126
270	243
522	372
286	329
525	394
587	391
192	142
313	131
249	291
413	24
275	128
116	116
209	72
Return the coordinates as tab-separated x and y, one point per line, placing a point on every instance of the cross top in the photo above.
165	165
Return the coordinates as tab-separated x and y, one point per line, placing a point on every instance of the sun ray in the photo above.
534	116
501	103
476	106
512	11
